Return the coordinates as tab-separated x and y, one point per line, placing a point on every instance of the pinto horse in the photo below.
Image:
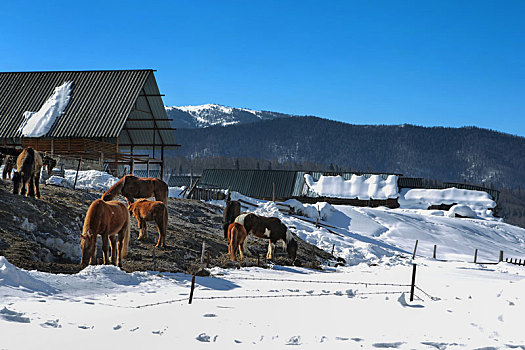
133	187
231	211
110	220
269	228
144	210
236	239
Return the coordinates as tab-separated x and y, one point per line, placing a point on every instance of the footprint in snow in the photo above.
51	324
117	327
13	316
85	327
295	340
388	345
341	338
203	337
209	315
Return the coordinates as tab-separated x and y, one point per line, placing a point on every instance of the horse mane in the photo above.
115	189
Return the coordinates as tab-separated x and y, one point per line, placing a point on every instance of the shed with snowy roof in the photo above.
113	117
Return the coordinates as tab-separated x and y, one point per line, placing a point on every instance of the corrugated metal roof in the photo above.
181	180
144	173
252	183
100	104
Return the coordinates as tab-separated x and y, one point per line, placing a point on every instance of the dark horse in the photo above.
9	164
269	228
28	166
236	239
8	155
110	220
231	211
133	187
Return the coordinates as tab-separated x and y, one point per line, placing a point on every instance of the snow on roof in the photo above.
38	124
375	187
449	196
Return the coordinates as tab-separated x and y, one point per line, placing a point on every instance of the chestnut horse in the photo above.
110	220
231	211
236	239
269	228
144	210
133	187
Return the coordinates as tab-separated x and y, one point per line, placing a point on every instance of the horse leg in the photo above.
31	186
143	230
162	232
37	185
23	191
113	243
271	248
105	249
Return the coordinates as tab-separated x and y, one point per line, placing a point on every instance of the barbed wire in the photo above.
314	281
338	294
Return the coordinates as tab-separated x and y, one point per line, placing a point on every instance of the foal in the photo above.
236	239
144	210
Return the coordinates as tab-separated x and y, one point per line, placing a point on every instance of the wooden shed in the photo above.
113	117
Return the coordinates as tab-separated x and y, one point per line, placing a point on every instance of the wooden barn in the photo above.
113	118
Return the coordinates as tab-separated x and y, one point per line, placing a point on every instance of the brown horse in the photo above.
27	174
269	228
133	187
144	210
236	239
28	166
110	220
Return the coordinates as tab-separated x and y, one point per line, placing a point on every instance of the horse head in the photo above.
291	249
88	244
17	181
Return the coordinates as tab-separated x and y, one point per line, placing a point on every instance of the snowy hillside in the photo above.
365	304
203	116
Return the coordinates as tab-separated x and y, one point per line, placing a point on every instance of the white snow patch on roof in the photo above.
39	123
375	187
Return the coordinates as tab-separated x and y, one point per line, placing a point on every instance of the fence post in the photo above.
273	193
434	255
333	247
476	256
202	252
415	248
154	260
500	255
412	286
192	287
208	258
76	176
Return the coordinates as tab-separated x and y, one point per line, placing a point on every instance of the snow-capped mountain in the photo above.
203	116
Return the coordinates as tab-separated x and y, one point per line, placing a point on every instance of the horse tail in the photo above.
231	241
125	241
162	190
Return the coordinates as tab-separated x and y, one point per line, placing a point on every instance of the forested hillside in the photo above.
466	154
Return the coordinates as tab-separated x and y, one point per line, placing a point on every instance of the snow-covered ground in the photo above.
458	305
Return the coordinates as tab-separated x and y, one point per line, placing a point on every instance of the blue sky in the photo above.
431	63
